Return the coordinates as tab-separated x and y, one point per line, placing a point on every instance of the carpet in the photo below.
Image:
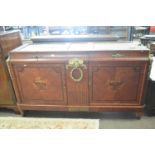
47	123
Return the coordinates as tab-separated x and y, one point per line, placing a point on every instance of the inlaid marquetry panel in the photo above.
116	84
41	83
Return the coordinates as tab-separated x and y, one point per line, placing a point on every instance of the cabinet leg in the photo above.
139	114
17	111
20	111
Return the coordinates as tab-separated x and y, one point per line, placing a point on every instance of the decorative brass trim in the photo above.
117	55
76	64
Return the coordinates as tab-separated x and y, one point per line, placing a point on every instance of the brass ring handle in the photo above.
81	74
76	64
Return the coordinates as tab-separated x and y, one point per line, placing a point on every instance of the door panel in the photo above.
115	84
41	83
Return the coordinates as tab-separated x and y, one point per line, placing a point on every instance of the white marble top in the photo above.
81	46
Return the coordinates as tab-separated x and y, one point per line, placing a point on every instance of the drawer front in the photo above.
119	83
41	83
119	56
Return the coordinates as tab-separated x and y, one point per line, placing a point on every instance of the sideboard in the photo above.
88	76
8	41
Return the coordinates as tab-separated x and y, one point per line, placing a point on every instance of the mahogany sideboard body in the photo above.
80	76
8	41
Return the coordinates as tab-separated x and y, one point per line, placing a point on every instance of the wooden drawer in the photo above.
118	56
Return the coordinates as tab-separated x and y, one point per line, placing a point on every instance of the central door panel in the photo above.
77	90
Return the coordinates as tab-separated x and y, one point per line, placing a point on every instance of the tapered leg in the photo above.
21	112
16	110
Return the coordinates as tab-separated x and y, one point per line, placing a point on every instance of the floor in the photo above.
113	120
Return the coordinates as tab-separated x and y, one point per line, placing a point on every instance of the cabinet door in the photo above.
41	83
116	84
